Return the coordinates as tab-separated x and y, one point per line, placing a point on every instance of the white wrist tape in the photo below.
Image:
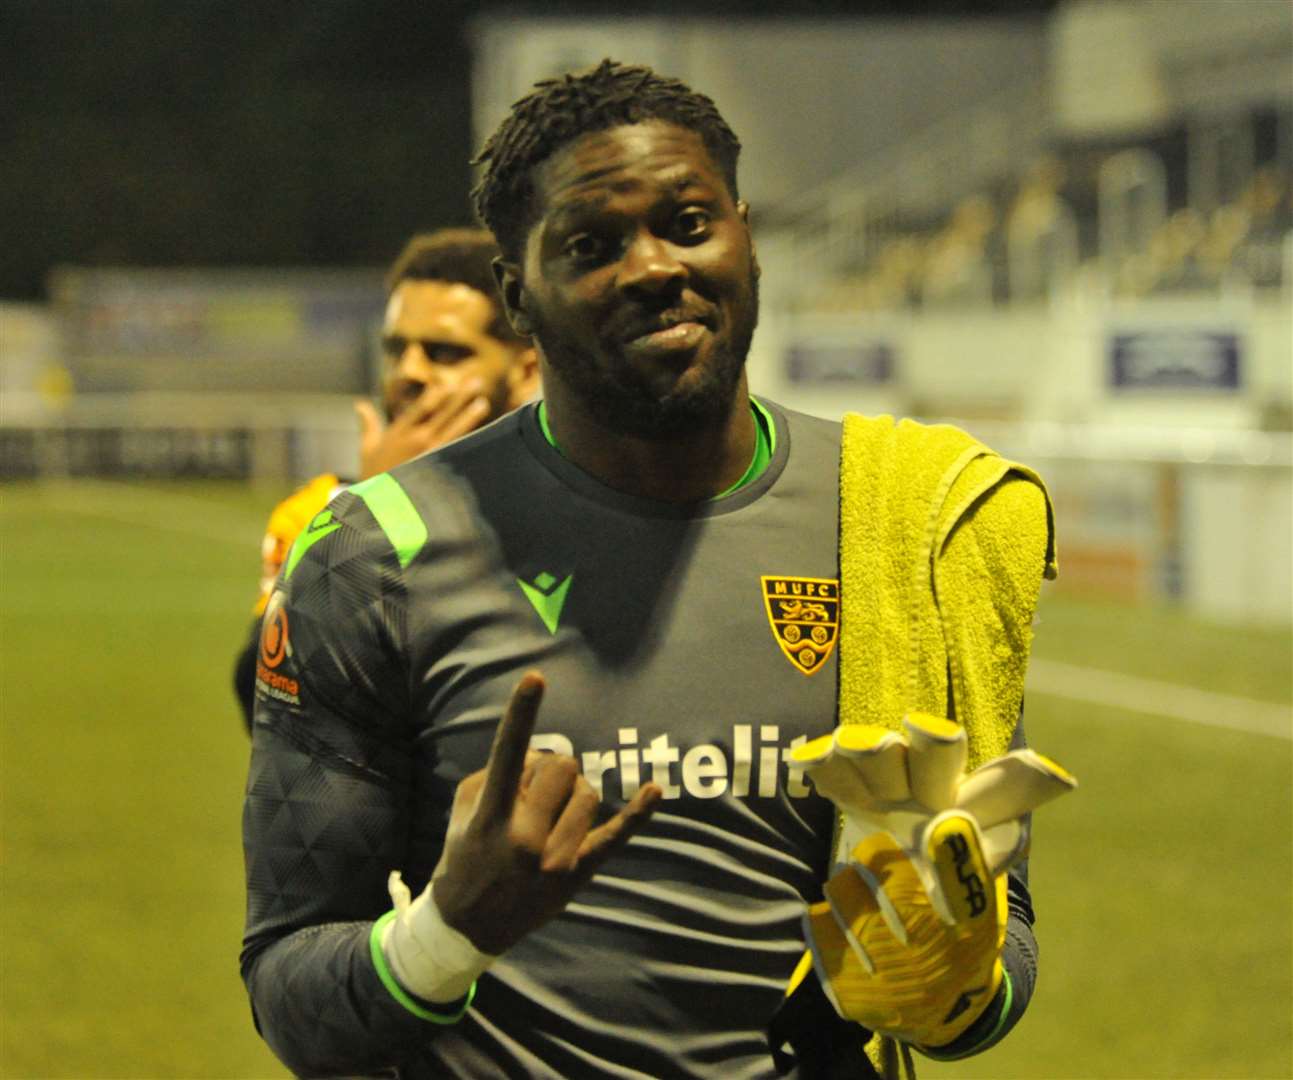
428	956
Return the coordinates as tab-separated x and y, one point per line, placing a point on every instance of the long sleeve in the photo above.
285	523
315	887
328	801
244	675
1018	958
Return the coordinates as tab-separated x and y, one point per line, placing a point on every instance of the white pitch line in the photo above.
1098	687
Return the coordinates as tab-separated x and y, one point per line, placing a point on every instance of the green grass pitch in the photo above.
1163	886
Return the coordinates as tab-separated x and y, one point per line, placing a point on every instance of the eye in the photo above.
692	224
439	352
582	247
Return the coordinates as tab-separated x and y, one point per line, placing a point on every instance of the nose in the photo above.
649	265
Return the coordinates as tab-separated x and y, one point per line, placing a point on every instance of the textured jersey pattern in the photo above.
662	664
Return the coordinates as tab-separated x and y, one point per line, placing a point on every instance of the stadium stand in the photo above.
1150	215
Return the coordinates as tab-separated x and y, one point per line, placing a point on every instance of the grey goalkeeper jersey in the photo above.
689	646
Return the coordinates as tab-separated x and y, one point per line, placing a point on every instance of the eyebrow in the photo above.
572	211
578	206
437	344
687	180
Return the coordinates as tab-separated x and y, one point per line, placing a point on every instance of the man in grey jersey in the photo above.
428	890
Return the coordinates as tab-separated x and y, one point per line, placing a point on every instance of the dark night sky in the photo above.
225	132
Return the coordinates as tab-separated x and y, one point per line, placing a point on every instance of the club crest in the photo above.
805	617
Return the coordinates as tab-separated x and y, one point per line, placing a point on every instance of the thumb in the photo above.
1010	786
955	852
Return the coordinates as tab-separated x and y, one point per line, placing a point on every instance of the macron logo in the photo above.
548	596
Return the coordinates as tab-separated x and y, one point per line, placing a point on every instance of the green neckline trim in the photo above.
769	426
543	426
397	991
395	513
765	443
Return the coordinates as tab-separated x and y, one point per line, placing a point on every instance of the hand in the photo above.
888	959
436	416
908	940
900	784
521	840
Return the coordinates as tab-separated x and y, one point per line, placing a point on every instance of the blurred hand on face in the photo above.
438	414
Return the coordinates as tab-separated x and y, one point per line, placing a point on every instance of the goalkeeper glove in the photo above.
908	940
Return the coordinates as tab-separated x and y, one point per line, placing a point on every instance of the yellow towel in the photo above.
943	546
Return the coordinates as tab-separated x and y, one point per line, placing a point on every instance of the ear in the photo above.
523	377
743	208
512	293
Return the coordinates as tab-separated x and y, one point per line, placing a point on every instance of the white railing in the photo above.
837	225
277	438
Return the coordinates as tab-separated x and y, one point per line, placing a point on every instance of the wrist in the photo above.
985	1030
427	956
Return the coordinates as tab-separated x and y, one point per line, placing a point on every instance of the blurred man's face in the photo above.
436	333
638	279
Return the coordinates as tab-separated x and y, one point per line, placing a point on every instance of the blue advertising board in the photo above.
1175	358
856	363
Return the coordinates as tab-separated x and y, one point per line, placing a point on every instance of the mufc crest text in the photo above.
805	618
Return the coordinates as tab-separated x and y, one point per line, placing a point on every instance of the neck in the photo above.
686	468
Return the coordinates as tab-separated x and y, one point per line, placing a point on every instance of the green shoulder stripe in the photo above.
395	513
320	526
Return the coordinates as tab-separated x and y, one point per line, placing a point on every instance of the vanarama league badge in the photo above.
273	633
274	649
805	618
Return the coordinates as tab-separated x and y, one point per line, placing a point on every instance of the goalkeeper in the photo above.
677	558
452	363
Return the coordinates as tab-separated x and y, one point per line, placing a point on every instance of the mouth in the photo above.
670	332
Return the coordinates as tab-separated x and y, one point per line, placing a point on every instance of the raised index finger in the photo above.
507	754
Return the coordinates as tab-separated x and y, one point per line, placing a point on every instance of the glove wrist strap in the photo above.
983	1032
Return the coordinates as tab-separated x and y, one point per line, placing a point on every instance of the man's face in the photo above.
436	333
639	280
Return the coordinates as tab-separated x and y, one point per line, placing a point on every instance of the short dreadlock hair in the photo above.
559	111
455	256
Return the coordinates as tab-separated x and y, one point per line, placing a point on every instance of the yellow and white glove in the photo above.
908	940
